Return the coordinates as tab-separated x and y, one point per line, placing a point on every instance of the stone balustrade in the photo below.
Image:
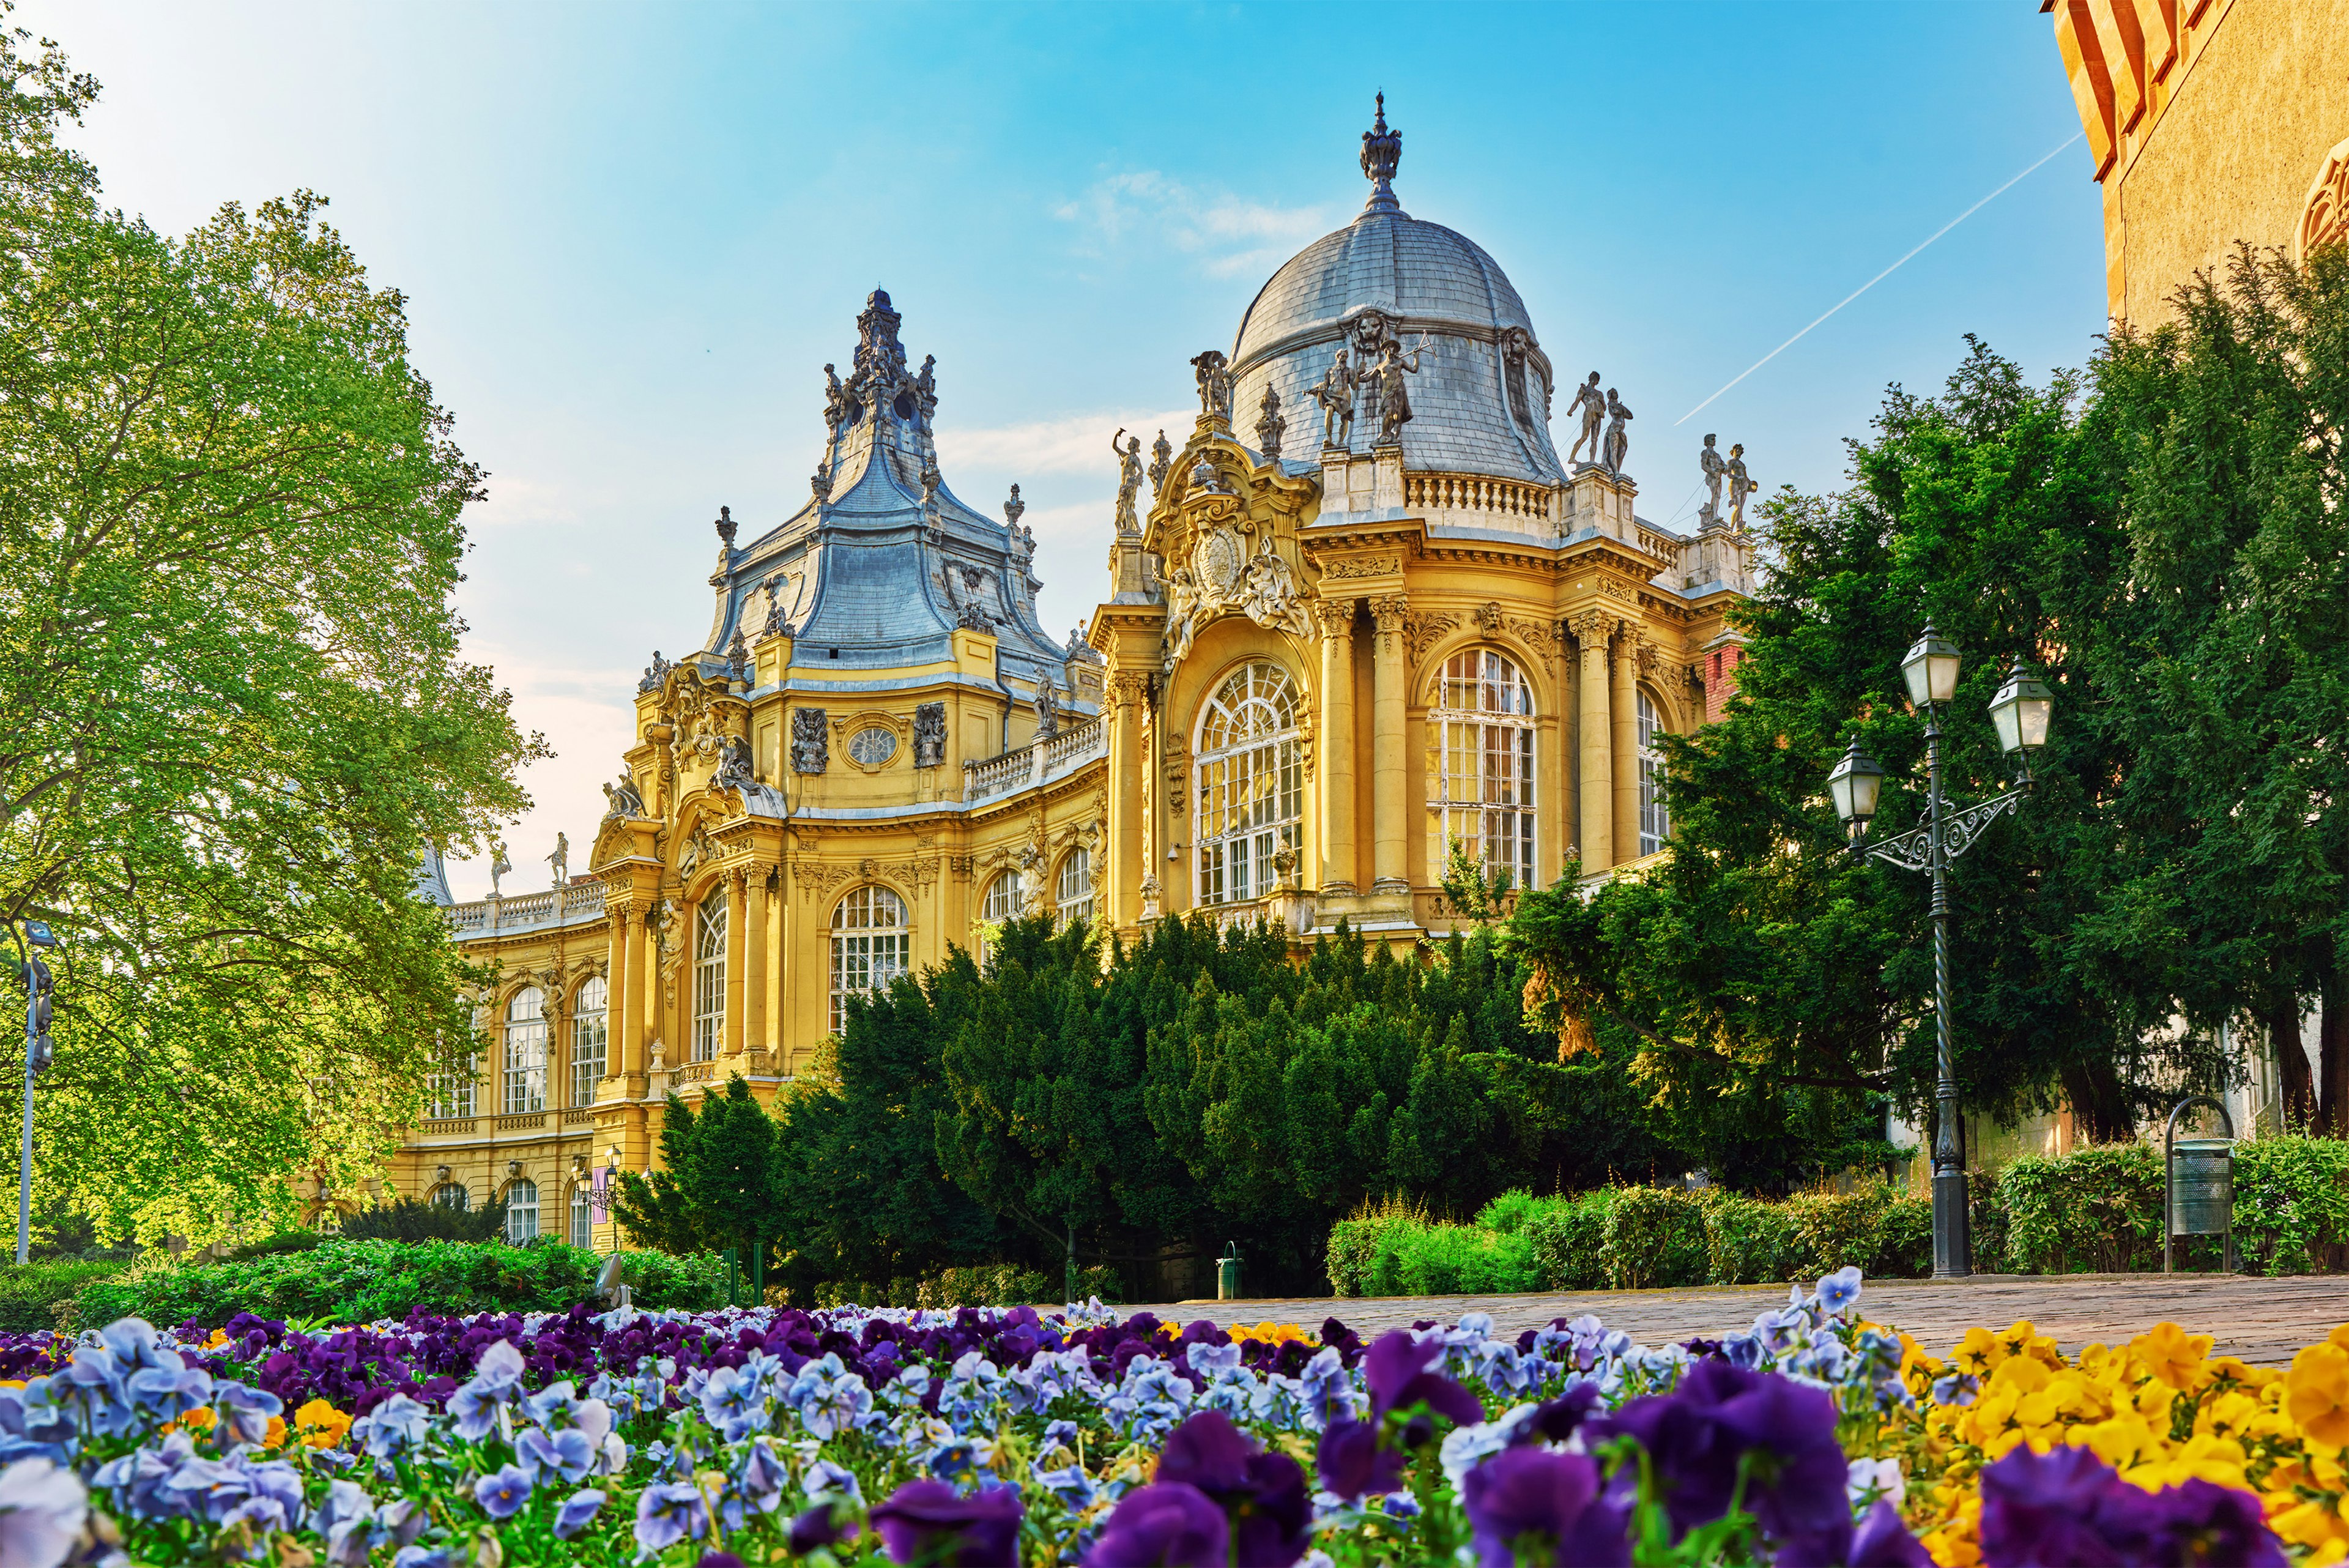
1040	762
577	904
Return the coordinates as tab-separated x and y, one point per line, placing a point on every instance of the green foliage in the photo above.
727	1169
994	1284
236	707
33	1297
362	1281
1633	1238
656	1211
2292	1203
413	1220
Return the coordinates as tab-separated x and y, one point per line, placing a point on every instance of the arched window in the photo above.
1073	897
1483	726
526	1052
588	1039
1655	821
708	976
870	946
451	1195
449	1092
1002	903
1251	796
521	1210
582	1218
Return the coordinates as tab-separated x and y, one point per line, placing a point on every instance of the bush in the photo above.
2291	1204
413	1220
2096	1210
34	1297
347	1282
1748	1242
1655	1236
987	1284
1568	1239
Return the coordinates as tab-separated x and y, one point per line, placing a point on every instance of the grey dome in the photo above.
1480	401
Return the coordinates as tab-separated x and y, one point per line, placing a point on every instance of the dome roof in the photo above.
1480	401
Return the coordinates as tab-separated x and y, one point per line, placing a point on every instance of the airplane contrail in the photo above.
1887	272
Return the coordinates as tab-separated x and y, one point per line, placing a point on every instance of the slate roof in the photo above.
1424	277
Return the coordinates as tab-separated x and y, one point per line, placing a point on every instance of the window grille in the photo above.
1482	727
526	1052
710	976
1250	788
870	946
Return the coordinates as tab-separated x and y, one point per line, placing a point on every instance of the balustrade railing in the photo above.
1080	743
1475	492
520	911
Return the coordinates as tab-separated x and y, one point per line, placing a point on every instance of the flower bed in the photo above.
990	1436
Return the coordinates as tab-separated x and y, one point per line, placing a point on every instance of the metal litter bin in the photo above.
1227	1273
2199	1180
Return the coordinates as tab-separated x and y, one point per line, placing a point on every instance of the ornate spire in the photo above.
1381	151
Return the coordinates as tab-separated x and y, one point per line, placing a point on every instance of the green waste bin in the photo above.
1227	1273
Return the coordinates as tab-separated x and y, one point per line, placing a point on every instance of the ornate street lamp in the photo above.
2021	711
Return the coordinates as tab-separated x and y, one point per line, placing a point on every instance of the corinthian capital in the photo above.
1336	617
1388	613
1592	627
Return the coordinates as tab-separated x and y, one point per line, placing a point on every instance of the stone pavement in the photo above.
2262	1321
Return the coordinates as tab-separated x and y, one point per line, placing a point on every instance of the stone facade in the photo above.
2207	121
1315	669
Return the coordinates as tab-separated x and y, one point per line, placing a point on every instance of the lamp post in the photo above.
2020	711
39	987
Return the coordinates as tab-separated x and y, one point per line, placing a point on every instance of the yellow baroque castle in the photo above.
1365	610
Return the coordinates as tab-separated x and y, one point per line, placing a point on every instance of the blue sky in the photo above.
632	235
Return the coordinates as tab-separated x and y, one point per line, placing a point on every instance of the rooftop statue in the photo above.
1710	462
560	860
1162	463
836	401
1269	424
1215	384
726	526
1394	400
621	800
1591	403
1618	440
1740	487
1335	393
499	863
1129	479
1381	152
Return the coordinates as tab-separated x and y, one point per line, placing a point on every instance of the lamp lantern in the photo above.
1930	668
2021	709
1854	785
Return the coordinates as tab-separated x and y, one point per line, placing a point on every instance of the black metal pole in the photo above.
1950	1261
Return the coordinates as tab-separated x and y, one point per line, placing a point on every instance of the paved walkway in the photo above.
2261	1321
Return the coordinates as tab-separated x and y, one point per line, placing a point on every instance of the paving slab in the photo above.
2262	1321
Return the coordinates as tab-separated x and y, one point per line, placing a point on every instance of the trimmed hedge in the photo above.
34	1297
987	1284
347	1282
2095	1210
1633	1238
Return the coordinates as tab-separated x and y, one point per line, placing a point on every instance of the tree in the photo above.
231	518
656	1209
728	1170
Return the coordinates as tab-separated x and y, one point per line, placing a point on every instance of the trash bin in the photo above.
1227	1273
2200	1184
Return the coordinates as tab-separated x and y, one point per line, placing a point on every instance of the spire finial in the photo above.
1381	151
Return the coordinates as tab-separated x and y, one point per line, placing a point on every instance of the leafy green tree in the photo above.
236	703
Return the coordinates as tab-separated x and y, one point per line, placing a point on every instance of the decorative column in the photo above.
1125	867
1591	630
1390	832
629	971
1626	749
754	976
738	921
1336	726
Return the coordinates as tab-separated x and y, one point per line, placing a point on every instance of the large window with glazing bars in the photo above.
1482	727
708	976
1073	905
1655	821
1250	786
589	1037
526	1052
870	946
449	1090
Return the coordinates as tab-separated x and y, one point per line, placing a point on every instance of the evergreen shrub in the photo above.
347	1282
32	1296
2098	1209
985	1285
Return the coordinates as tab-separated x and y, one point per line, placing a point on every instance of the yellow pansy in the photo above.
2317	1392
321	1425
2172	1355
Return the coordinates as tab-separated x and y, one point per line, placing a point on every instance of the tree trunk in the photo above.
2333	1046
2100	1111
2291	1065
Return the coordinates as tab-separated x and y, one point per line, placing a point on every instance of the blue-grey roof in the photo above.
1422	277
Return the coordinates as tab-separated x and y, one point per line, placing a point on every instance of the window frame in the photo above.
519	1214
591	1038
525	1040
450	1195
1073	906
582	1209
1655	816
1247	784
707	1029
866	955
1484	727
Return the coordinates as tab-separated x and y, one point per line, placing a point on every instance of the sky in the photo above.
632	235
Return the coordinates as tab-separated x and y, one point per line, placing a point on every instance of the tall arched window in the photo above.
708	976
1251	795
1483	726
1655	821
521	1210
582	1218
589	1039
526	1052
1002	903
449	1090
870	946
1073	900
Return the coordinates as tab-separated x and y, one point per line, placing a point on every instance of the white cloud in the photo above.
1230	235
1077	444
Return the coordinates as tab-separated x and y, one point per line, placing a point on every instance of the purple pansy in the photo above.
930	1522
1552	1497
